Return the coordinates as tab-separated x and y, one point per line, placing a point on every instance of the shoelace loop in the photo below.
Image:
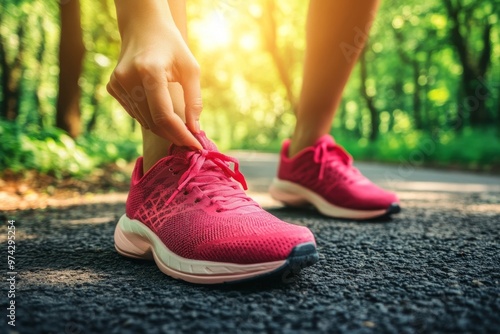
197	160
324	154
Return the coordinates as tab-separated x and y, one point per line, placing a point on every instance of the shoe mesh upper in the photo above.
326	169
191	200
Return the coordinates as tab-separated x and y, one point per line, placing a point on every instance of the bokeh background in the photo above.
425	92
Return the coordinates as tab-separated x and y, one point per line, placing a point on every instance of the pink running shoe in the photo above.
190	215
323	175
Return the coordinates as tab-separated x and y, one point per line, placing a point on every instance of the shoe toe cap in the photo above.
370	197
256	247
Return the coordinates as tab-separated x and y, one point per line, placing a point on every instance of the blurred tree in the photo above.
268	27
431	68
71	53
12	49
40	60
365	93
470	23
414	56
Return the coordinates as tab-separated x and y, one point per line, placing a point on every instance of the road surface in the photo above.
433	268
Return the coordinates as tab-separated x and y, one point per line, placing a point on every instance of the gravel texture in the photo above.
433	268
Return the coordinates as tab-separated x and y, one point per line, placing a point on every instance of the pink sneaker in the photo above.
323	175
195	221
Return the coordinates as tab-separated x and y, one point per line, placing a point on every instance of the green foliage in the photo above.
53	151
471	149
251	57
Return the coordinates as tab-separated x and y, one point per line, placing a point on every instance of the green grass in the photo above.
470	150
53	152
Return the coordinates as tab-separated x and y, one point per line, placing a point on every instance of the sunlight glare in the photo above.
214	31
248	42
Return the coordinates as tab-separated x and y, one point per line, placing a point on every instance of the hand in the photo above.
153	54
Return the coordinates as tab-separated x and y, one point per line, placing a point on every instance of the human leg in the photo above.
330	26
189	214
154	146
313	168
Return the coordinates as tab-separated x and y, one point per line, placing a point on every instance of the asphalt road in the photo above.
433	268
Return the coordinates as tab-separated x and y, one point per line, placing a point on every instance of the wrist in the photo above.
140	16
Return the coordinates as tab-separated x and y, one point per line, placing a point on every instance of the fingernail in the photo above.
197	126
194	148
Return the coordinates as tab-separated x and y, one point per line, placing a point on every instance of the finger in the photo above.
132	102
166	123
178	133
192	99
117	95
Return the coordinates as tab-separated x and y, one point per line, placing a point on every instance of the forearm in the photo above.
141	16
153	57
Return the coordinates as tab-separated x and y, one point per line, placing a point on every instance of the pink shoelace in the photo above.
334	155
219	189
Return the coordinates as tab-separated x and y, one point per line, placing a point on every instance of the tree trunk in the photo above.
95	102
429	122
473	103
268	30
38	112
498	111
71	53
417	102
399	101
410	60
341	115
476	94
368	99
12	73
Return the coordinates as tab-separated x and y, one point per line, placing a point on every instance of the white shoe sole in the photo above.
135	240
292	194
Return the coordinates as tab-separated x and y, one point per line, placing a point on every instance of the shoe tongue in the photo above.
202	138
205	142
326	139
336	151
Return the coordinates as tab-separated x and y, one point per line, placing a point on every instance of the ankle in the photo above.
154	148
294	149
297	144
149	162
